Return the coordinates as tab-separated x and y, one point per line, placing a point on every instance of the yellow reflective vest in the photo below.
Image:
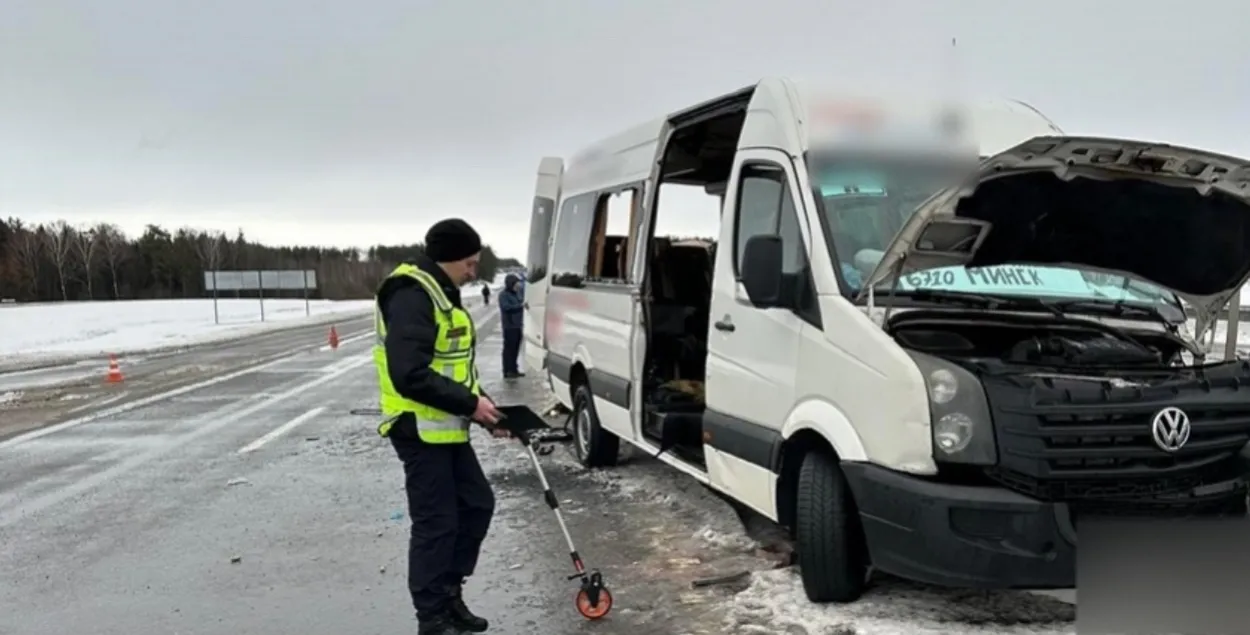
453	359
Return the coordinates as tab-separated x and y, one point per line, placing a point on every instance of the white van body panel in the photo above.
749	484
591	330
848	381
546	198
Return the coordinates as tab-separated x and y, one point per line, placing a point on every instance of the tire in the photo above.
832	551
595	447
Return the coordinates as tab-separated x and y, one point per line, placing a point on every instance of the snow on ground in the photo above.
55	331
775	603
38	332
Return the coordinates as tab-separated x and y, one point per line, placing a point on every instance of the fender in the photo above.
828	421
581	355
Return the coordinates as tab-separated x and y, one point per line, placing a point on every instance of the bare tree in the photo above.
113	243
59	241
29	249
208	248
87	247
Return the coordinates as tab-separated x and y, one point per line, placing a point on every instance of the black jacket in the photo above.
411	330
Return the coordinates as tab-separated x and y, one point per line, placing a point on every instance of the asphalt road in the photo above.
259	504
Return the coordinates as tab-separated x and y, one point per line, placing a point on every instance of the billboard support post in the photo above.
216	314
260	293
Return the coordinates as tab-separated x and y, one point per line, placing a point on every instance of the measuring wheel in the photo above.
594	600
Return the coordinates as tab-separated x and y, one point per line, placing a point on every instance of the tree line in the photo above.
62	262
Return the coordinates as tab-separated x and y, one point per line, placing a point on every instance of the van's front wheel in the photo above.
833	555
595	446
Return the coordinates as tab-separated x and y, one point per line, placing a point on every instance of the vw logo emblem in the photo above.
1170	428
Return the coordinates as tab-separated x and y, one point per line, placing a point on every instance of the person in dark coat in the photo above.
485	293
511	321
429	395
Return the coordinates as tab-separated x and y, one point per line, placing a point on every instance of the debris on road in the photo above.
721	579
236	559
397	515
237	481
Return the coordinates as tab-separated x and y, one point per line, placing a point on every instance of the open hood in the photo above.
1175	217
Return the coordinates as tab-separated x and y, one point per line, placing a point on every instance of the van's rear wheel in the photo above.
833	555
595	446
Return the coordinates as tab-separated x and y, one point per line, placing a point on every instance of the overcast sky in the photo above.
351	123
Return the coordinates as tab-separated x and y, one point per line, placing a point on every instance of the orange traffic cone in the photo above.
334	339
115	371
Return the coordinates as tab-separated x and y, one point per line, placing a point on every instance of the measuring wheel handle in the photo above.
594	600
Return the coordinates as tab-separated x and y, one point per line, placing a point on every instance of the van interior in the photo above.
678	282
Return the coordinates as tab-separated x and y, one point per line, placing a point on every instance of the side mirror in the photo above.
760	270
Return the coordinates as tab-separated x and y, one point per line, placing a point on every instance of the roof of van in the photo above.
627	157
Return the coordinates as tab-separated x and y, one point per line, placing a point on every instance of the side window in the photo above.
610	241
766	207
541	219
794	256
760	191
570	252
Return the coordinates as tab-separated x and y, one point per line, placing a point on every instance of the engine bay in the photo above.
1061	344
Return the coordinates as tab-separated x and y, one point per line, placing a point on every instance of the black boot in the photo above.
443	623
464	618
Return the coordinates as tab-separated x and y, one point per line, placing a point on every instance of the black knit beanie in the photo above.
451	240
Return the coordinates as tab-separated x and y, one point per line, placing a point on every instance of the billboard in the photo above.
291	280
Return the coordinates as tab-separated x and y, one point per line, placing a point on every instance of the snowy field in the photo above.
32	334
42	332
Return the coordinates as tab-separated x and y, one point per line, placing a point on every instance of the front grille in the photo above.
1073	440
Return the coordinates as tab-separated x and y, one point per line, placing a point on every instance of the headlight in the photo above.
962	429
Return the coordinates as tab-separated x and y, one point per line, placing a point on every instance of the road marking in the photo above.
281	430
147	401
169	394
103	402
208	423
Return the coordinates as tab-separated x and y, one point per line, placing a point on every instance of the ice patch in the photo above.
775	603
728	540
10	397
629	482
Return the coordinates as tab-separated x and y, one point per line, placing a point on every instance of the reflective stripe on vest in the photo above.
453	359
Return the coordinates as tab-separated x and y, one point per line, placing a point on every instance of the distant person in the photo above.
429	395
485	293
511	321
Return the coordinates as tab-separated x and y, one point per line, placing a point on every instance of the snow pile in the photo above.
775	603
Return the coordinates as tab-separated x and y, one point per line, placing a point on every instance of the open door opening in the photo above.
678	281
542	222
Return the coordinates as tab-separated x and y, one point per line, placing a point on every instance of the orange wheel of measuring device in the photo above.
594	612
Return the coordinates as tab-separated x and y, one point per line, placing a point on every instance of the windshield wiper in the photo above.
981	300
1119	309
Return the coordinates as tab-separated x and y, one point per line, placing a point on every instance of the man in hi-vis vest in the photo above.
425	352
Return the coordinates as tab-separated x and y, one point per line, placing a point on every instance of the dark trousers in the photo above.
511	349
451	504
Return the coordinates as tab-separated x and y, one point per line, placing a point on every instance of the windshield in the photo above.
866	200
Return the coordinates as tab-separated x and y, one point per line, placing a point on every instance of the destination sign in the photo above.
1000	276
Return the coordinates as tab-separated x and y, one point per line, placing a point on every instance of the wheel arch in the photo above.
813	425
